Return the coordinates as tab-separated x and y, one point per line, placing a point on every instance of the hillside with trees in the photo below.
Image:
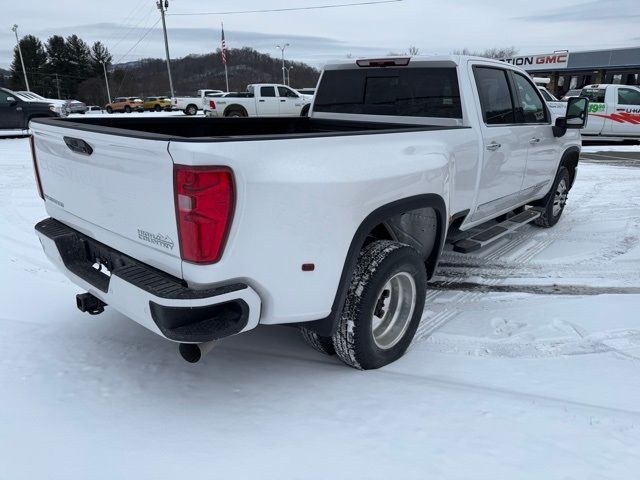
70	68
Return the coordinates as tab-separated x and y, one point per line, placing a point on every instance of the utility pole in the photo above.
282	48
24	70
162	6
106	81
58	85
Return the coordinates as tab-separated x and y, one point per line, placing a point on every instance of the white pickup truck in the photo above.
614	112
260	100
191	105
200	229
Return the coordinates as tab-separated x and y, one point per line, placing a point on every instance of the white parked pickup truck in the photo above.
260	100
614	112
200	229
191	105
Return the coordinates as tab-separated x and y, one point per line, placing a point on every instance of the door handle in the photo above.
283	100
261	101
493	146
534	140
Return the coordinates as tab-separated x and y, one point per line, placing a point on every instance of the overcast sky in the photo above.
535	26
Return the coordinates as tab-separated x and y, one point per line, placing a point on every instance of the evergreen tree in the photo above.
79	62
35	58
58	66
99	55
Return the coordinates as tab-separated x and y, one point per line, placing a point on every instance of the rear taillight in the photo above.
32	142
204	199
212	104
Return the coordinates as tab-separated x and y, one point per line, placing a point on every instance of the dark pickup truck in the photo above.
15	112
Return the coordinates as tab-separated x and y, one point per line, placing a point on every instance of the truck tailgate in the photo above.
116	189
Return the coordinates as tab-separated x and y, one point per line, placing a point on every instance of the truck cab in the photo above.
614	112
260	100
16	112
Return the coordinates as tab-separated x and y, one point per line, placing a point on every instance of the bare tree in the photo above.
414	51
499	53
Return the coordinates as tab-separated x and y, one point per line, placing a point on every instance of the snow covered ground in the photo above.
526	366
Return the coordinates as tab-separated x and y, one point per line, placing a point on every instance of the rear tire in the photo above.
191	110
158	108
317	342
235	114
557	200
383	307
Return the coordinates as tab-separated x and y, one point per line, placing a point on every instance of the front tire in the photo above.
383	307
109	110
557	200
158	108
127	109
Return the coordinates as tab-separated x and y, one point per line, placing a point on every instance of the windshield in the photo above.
595	95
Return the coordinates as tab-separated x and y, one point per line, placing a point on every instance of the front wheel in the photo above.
557	200
158	108
127	109
109	110
383	307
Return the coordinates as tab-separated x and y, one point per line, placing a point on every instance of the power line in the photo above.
291	9
133	27
138	42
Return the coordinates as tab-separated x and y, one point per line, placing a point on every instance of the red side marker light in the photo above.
308	267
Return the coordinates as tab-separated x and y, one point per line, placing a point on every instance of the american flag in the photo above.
224	48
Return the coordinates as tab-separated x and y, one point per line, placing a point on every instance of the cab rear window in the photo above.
405	92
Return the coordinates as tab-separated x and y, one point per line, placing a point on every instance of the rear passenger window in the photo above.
495	95
267	91
627	96
531	107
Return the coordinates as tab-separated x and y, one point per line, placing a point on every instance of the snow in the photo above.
610	148
526	366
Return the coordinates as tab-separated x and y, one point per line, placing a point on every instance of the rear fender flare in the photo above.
326	326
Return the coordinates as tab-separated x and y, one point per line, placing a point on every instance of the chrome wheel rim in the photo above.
561	197
393	310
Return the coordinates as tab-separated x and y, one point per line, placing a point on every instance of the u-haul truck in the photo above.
614	112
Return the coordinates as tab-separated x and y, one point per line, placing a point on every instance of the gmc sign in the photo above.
550	61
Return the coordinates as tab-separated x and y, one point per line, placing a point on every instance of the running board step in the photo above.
491	234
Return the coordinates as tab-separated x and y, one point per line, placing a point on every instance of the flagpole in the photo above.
226	73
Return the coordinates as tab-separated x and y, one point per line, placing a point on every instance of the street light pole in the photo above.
162	6
24	70
106	81
282	48
289	75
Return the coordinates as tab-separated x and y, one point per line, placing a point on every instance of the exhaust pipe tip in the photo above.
193	352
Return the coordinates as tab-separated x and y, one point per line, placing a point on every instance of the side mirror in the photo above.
575	118
577	112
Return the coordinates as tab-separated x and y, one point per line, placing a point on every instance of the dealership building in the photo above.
567	70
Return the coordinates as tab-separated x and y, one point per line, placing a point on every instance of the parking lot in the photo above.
526	362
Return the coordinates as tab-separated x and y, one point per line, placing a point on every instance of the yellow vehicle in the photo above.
157	103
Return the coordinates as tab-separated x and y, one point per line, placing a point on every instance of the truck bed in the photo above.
232	129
